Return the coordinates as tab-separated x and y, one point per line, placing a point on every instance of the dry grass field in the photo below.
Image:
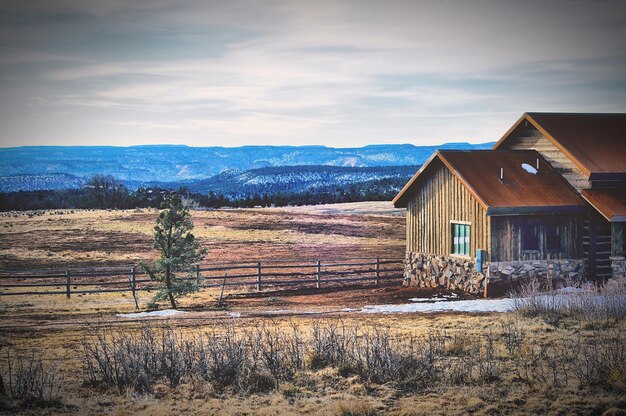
97	238
481	363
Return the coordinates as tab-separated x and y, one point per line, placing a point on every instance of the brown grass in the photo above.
54	327
97	238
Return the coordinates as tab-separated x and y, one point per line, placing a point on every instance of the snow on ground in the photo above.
163	313
478	305
428	299
436	299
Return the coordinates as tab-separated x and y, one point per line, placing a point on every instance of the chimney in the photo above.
537	164
501	174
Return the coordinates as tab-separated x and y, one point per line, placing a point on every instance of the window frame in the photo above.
557	235
455	249
535	228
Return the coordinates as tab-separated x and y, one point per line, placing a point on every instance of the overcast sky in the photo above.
337	73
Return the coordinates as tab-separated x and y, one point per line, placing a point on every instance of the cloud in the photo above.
339	73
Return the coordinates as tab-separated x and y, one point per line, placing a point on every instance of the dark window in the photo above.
553	238
530	238
460	239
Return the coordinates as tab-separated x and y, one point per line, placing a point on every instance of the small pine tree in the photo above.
179	251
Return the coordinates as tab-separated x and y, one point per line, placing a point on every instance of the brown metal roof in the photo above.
519	193
611	203
596	143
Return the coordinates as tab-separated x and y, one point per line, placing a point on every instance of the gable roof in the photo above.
595	143
611	203
520	193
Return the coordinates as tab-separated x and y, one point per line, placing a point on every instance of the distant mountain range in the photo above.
294	179
217	169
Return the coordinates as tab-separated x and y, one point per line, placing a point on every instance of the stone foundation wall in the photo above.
560	272
618	267
428	270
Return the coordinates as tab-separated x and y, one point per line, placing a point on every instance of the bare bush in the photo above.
600	361
32	383
259	359
589	303
513	333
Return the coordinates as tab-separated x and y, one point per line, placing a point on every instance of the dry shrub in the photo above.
600	360
601	303
29	382
513	333
354	408
260	359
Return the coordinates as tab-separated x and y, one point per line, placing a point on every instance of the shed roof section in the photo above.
611	203
596	143
521	192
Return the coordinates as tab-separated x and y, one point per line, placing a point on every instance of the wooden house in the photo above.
589	150
528	207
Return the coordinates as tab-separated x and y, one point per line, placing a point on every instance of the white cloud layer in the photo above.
340	73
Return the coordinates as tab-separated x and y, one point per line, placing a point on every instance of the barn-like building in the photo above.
549	200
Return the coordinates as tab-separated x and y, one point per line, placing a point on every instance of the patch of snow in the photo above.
234	314
347	310
295	311
478	305
570	289
163	313
276	311
428	299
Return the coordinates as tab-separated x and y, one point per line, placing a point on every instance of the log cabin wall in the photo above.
529	138
440	200
508	233
597	245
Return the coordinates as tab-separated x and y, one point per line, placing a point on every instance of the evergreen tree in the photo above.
179	251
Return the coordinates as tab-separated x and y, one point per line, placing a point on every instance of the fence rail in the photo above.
257	274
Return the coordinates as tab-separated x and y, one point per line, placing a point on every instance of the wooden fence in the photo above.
259	275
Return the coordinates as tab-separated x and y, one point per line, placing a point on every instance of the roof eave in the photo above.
535	210
601	208
607	176
400	200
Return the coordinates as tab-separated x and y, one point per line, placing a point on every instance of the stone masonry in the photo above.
429	270
618	267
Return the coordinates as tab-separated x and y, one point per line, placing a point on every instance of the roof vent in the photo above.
530	169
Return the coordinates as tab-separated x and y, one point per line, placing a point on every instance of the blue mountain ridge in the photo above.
179	163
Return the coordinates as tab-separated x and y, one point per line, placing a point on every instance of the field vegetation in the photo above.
77	356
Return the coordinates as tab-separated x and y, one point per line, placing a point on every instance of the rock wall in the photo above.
429	270
618	267
559	272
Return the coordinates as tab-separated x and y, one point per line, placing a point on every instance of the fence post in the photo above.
67	284
377	270
133	285
319	274
258	282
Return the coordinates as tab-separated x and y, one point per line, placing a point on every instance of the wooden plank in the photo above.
617	239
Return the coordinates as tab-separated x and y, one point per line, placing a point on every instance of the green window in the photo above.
460	239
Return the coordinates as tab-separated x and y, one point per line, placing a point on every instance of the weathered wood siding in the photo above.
506	241
597	245
440	199
529	138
